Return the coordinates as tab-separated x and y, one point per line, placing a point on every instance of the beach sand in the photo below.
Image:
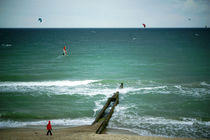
75	133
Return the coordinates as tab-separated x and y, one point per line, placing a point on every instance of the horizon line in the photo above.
104	28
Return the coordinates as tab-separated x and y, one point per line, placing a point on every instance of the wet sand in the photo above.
75	133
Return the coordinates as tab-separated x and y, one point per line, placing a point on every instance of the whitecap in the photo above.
6	45
144	125
47	83
204	84
61	122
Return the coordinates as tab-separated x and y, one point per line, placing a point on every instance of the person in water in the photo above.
121	85
49	128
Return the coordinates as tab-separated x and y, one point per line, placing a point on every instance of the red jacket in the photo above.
49	127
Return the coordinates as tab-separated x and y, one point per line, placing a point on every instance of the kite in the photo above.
40	20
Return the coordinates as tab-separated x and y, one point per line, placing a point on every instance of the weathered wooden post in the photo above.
103	116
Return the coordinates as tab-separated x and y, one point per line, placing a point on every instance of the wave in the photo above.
86	87
47	83
190	91
204	84
145	126
157	126
5	45
57	122
102	87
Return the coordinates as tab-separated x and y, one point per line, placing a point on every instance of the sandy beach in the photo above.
75	133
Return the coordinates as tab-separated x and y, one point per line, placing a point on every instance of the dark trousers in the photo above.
49	131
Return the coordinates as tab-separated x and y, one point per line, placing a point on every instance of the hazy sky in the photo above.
104	13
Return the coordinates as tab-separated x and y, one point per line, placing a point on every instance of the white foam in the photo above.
204	84
6	45
46	83
192	91
85	87
95	87
127	90
98	105
137	124
179	87
133	38
146	125
61	122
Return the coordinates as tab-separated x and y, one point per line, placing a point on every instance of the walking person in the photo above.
49	128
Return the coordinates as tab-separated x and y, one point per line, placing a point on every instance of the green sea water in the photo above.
166	76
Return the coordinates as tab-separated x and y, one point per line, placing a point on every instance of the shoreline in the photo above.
115	131
77	133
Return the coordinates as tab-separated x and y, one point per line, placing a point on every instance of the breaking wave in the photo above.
5	45
205	84
46	83
158	126
57	122
102	87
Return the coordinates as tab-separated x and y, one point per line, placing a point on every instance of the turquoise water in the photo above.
166	76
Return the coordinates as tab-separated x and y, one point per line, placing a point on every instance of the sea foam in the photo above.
145	125
60	122
204	84
47	83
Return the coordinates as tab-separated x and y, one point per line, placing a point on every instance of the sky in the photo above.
104	13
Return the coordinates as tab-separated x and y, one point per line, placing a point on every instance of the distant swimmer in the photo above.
64	51
121	85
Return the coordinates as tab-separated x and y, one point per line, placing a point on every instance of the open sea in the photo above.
166	76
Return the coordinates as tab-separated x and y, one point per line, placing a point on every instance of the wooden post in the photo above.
106	118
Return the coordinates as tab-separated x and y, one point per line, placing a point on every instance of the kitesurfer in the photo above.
49	128
64	51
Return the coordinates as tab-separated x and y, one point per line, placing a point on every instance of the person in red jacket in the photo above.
49	128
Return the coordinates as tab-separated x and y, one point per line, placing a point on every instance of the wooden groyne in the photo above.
105	114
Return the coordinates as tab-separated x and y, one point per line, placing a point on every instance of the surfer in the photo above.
49	128
64	51
121	85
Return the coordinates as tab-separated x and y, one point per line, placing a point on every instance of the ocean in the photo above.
165	72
